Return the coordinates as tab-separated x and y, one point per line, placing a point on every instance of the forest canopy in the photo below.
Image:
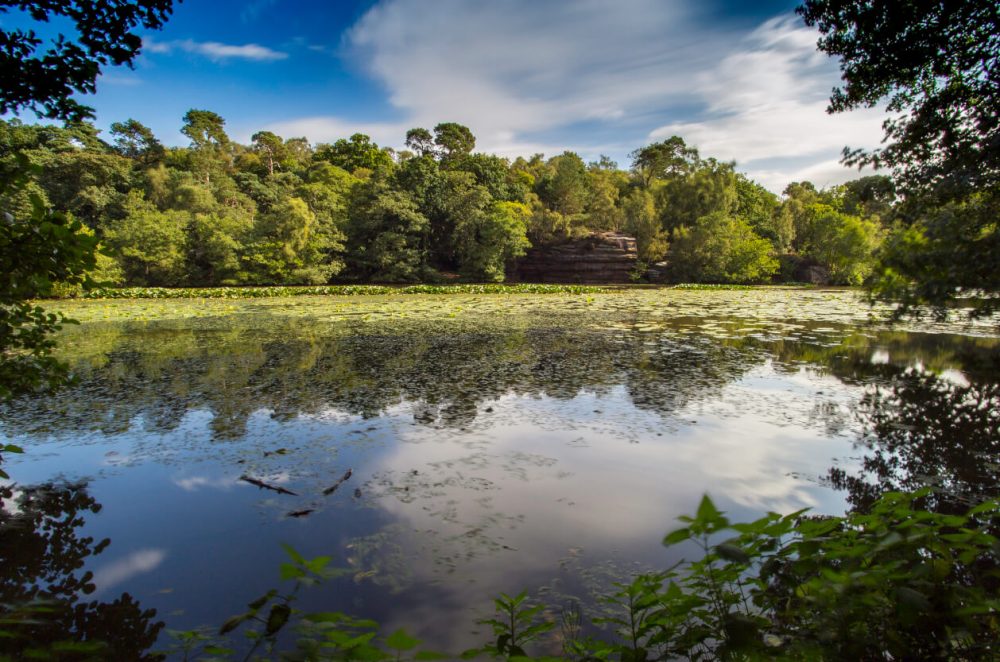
283	211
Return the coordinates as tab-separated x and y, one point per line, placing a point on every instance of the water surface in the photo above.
494	442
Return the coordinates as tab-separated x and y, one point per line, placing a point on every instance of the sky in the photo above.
739	80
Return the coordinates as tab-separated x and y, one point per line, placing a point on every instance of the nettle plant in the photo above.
891	583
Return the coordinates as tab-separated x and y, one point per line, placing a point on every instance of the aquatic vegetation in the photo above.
330	290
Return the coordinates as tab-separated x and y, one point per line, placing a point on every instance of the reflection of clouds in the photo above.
124	569
498	516
195	483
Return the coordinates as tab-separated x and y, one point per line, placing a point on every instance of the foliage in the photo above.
332	290
937	63
44	81
720	249
220	213
486	241
515	625
319	635
38	249
894	582
842	243
951	252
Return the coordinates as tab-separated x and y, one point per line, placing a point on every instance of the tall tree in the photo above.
938	63
454	141
38	247
136	141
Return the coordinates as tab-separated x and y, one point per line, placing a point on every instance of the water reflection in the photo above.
921	429
43	589
481	460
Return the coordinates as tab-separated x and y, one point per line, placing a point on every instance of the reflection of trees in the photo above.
921	430
161	373
42	592
850	360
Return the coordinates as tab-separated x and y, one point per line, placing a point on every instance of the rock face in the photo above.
599	258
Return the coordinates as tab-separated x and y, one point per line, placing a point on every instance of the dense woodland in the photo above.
284	211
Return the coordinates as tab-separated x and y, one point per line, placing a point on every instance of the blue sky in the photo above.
739	80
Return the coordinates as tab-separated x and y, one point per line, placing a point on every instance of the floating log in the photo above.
333	488
261	484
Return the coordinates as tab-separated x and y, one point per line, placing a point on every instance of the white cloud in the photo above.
518	67
768	101
528	77
136	563
215	50
329	129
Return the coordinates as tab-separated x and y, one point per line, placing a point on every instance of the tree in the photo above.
842	243
386	235
642	223
210	154
489	238
135	141
939	65
150	243
43	80
720	249
705	189
563	187
663	160
454	141
39	247
271	147
357	153
759	207
420	141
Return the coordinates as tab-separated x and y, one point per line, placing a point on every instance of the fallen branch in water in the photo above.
333	488
263	485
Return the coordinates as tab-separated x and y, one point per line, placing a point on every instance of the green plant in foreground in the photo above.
319	635
515	626
894	582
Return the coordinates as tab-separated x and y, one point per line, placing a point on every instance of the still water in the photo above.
493	443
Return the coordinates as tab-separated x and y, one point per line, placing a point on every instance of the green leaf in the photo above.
732	553
218	650
233	623
707	512
677	536
289	571
913	598
294	555
277	618
262	600
431	655
401	641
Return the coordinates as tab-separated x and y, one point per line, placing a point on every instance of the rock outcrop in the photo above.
599	258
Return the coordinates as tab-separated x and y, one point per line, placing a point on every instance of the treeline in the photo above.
285	212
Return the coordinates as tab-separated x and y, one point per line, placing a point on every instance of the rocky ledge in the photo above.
606	257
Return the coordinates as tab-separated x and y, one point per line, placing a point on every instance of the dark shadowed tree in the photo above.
938	64
42	76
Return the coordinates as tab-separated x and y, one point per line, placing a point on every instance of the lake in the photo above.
493	442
